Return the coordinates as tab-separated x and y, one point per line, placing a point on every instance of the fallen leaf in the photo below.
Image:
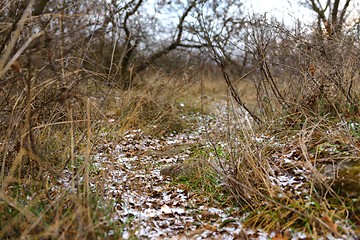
280	236
210	227
196	232
333	226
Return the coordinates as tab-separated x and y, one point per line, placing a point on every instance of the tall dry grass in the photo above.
306	112
49	133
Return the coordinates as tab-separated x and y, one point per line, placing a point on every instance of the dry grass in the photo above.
58	134
311	144
318	131
59	100
51	120
64	134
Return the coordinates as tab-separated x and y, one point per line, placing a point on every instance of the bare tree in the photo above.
140	36
332	14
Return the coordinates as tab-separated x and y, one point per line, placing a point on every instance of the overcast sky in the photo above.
287	10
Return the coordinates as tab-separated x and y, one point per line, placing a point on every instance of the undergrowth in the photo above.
40	148
199	178
319	154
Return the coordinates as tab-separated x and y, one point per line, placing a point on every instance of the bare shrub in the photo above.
305	86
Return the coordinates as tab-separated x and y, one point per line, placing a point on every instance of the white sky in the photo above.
288	10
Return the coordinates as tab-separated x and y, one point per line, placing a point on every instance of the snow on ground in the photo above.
149	207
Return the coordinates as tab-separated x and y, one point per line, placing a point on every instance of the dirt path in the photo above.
134	171
147	205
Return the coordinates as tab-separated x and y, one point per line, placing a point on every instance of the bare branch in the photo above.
14	36
19	52
176	43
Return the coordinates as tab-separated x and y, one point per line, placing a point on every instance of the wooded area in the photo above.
72	72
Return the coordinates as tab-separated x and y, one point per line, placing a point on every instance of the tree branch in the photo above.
176	43
14	37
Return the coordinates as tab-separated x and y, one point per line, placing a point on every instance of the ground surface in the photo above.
136	169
